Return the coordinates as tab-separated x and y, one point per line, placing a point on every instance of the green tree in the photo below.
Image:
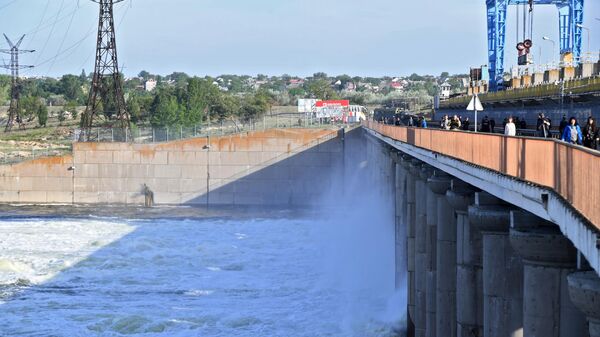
321	89
62	116
72	88
71	108
134	109
226	106
165	109
42	114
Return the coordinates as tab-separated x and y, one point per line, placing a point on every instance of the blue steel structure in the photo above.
570	13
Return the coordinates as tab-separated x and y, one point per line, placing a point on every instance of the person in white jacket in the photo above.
510	129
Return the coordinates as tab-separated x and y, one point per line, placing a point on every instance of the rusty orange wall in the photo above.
240	167
572	171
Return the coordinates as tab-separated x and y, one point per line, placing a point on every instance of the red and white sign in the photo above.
332	109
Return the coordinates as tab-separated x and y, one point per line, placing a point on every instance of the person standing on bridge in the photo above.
445	124
485	124
543	126
466	124
572	132
591	134
510	129
563	124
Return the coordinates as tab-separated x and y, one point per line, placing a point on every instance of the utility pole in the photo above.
106	81
15	95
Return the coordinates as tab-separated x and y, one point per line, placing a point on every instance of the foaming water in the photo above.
204	276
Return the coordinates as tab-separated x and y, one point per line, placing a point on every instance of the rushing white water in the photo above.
214	276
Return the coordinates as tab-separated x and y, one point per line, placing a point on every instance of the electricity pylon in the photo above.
15	93
106	82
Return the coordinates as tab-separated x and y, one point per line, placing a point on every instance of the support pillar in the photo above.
548	258
413	168
401	231
445	297
584	289
502	269
431	252
420	233
469	286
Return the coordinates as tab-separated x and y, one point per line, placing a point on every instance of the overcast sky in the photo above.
297	37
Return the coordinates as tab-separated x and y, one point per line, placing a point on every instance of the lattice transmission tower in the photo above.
15	93
106	82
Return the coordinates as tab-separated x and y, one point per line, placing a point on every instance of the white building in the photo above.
446	90
150	85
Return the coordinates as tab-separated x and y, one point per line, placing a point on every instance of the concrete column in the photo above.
431	251
413	168
548	258
502	269
445	297
401	231
469	284
421	250
584	289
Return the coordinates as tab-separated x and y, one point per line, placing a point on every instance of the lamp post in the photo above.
545	38
588	34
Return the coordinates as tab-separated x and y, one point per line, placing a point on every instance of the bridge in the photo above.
497	229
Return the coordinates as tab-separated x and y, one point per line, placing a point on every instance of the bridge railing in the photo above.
571	171
547	90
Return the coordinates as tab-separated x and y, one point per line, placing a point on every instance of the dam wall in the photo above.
273	167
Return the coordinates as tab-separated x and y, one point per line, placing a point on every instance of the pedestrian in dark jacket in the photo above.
573	133
591	134
563	124
485	124
543	126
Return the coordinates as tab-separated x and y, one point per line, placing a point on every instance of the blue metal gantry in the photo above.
570	14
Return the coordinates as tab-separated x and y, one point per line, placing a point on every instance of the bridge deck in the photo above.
573	172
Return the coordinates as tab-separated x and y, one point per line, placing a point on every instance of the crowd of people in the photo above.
569	130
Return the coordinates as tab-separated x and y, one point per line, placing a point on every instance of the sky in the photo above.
296	37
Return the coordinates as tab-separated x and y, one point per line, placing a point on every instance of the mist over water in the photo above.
359	239
326	271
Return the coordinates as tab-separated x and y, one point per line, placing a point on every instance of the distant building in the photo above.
350	86
397	86
295	83
150	85
446	90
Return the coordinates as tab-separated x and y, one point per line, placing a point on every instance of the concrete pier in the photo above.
421	249
502	269
548	258
400	232
584	289
469	286
445	317
413	175
431	252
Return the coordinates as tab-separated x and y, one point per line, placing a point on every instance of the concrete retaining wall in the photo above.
275	167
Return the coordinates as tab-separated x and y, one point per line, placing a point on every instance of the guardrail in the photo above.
549	90
571	171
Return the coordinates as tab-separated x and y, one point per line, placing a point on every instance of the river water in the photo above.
190	272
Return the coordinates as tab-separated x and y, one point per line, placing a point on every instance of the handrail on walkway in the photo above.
571	171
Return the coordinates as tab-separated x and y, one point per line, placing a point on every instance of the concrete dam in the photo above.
478	234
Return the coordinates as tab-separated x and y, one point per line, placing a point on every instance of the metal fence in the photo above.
13	156
16	154
221	128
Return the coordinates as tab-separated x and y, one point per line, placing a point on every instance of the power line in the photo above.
8	4
41	20
62	43
50	34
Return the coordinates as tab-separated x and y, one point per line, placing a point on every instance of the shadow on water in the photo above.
221	271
